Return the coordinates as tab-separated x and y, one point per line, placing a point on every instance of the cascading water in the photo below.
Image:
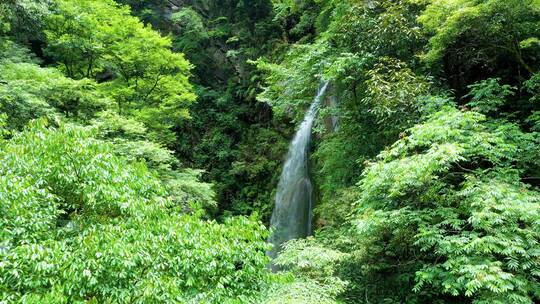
291	218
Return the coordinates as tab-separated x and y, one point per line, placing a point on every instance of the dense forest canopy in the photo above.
141	144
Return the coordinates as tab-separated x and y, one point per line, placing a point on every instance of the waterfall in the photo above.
291	218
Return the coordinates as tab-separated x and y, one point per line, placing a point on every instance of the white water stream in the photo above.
292	215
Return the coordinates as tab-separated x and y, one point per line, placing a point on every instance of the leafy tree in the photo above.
88	226
292	84
99	39
29	91
313	282
393	93
4	22
471	38
532	86
23	19
488	95
448	201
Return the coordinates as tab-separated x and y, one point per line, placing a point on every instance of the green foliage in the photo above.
20	99
392	93
301	19
259	157
488	96
186	190
313	267
533	87
4	22
13	52
309	258
99	39
131	140
300	291
102	214
448	200
340	156
294	82
192	30
29	91
366	53
482	33
380	28
239	160
23	19
495	260
87	226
